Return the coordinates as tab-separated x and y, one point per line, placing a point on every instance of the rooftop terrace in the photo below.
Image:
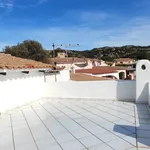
44	111
65	124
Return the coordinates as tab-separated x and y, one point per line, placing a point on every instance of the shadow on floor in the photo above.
141	130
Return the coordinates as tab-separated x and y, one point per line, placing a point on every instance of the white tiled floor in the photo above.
64	124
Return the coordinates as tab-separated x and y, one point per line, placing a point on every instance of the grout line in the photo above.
83	126
62	125
13	140
101	116
30	130
96	124
46	127
113	114
136	127
118	110
109	113
148	109
124	108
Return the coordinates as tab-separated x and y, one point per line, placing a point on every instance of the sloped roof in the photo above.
66	60
84	77
70	60
11	62
100	70
124	59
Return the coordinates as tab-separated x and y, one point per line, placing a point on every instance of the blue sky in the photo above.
91	23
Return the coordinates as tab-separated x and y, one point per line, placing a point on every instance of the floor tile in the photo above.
90	141
144	127
81	119
74	145
120	131
119	144
107	136
27	146
64	137
143	134
143	142
100	147
143	149
56	129
131	139
80	133
49	147
46	143
62	124
134	148
6	141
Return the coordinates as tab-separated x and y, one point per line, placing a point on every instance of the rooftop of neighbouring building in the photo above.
70	60
101	70
124	59
11	62
85	77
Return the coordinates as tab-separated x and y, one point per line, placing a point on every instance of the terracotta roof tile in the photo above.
84	77
124	59
11	62
100	70
70	60
67	60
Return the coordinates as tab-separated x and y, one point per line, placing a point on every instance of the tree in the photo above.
141	54
28	49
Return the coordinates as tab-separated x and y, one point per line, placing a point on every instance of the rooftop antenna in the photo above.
63	45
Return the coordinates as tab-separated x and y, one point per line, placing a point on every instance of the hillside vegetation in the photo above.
34	50
111	53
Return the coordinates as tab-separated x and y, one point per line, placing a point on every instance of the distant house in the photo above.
61	54
107	72
74	63
125	61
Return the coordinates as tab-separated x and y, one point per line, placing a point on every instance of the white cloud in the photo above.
42	1
83	36
134	32
32	5
6	4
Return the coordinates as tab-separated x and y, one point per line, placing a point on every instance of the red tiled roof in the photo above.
66	60
70	60
124	59
84	77
11	62
100	70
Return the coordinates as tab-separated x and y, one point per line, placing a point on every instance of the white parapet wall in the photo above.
102	90
142	81
17	88
149	93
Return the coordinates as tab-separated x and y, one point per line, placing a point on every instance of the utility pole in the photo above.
53	45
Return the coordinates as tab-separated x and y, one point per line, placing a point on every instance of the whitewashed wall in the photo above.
106	90
142	80
63	76
17	88
149	93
